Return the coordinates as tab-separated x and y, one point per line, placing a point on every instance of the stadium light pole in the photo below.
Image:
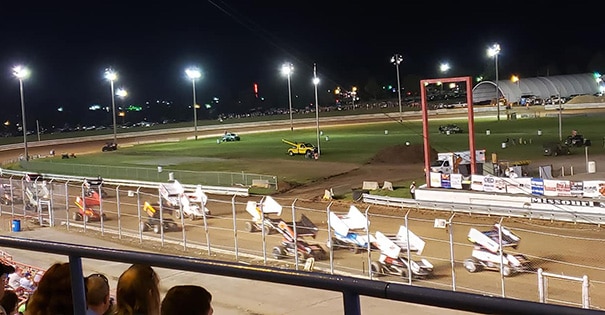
396	60
315	83
112	76
194	74
494	51
287	69
21	73
122	93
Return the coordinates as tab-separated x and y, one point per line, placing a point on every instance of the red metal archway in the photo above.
425	121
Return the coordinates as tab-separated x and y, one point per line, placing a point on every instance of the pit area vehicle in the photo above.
486	252
291	245
191	205
555	149
458	162
261	215
109	146
87	208
299	148
577	140
154	222
450	128
350	231
394	260
230	136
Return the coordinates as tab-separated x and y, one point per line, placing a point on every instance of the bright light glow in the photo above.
110	74
287	69
21	72
316	80
514	78
444	67
396	59
193	73
494	50
337	91
121	92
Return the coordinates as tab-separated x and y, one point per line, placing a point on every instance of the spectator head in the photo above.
53	294
138	291
38	277
97	293
5	270
10	302
187	299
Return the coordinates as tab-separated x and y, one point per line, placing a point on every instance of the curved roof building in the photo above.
539	87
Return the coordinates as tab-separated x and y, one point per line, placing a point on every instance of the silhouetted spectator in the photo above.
138	291
5	270
10	302
53	295
187	299
98	301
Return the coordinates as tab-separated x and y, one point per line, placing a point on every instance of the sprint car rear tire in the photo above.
250	227
77	216
506	271
156	229
143	227
279	252
355	249
471	265
376	269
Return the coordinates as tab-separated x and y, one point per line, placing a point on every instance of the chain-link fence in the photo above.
437	249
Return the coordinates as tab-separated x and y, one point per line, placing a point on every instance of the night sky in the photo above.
239	43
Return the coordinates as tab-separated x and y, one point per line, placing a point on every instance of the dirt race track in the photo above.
561	248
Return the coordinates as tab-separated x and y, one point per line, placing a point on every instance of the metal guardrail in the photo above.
217	190
350	287
508	211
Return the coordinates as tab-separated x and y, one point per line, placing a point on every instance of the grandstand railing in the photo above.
351	288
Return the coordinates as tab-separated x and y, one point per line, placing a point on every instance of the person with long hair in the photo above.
53	294
138	291
187	299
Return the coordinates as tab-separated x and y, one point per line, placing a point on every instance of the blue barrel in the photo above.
16	226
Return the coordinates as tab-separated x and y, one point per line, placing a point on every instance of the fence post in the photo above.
541	286
585	294
452	259
330	240
234	227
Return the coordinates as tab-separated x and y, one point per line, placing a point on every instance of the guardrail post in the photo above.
234	227
407	228
351	303
450	226
67	204
541	296
330	240
206	225
585	294
295	234
78	294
